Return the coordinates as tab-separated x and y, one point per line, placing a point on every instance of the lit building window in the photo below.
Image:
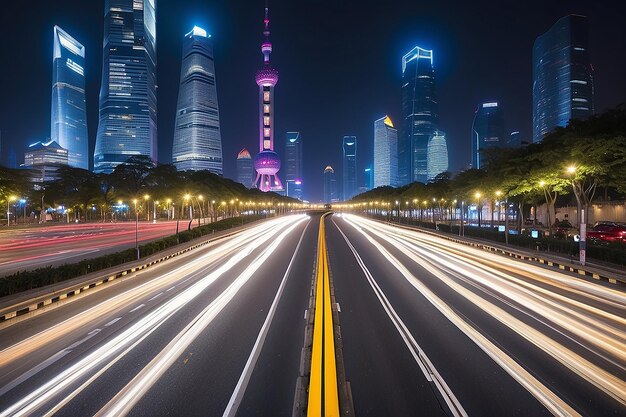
266	97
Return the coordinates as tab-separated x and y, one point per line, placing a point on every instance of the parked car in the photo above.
607	232
562	229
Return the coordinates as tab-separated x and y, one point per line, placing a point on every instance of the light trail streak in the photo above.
608	383
114	349
124	401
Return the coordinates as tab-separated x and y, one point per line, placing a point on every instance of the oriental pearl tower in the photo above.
267	162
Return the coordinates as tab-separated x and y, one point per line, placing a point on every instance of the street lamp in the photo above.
582	221
147	197
136	228
154	217
10	199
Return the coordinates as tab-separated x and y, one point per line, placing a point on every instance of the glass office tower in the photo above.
421	115
68	119
197	139
128	106
437	154
487	131
44	159
385	153
330	185
245	169
562	76
349	167
293	164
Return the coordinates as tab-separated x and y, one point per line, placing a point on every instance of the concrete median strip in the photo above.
30	308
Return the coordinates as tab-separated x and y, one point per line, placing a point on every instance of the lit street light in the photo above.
9	200
136	228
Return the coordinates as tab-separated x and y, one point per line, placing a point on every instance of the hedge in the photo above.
22	281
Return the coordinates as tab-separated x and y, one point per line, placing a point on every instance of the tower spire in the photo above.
266	46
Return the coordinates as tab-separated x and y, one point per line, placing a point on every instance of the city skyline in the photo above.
401	39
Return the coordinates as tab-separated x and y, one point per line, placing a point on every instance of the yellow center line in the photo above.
323	394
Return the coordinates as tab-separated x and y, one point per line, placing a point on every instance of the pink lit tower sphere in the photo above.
267	162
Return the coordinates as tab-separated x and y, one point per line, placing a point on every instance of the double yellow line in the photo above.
323	394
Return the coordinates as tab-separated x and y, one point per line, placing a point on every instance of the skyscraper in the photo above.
197	140
245	169
437	154
385	153
267	162
330	185
68	119
421	115
293	164
128	106
349	167
562	76
487	131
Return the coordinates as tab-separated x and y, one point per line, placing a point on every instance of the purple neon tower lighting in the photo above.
267	162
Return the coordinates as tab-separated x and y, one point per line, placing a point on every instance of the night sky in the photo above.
339	64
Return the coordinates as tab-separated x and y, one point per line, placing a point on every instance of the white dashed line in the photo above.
137	308
112	322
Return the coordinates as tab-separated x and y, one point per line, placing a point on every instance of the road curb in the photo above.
30	308
563	266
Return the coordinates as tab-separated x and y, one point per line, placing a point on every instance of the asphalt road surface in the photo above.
428	327
29	248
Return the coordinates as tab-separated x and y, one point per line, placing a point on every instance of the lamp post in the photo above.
582	221
154	205
146	198
9	200
462	228
136	229
478	207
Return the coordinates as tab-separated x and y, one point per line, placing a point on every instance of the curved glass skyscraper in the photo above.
68	121
437	154
487	131
197	138
562	76
128	106
421	115
349	167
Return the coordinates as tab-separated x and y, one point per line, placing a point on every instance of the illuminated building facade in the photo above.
128	106
421	115
197	139
68	118
293	164
487	131
245	168
267	162
349	167
437	154
385	153
44	159
562	76
330	186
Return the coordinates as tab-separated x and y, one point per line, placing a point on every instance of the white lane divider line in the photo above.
137	308
427	367
242	384
170	288
43	365
115	320
156	296
93	332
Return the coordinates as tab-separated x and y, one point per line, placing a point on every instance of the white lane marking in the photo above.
156	296
112	322
170	288
93	332
543	394
124	400
43	365
137	332
137	308
306	313
338	308
427	367
242	384
84	339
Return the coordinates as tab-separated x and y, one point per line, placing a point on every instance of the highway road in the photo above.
448	329
29	248
428	328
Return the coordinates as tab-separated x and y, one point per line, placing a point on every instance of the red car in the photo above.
607	232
